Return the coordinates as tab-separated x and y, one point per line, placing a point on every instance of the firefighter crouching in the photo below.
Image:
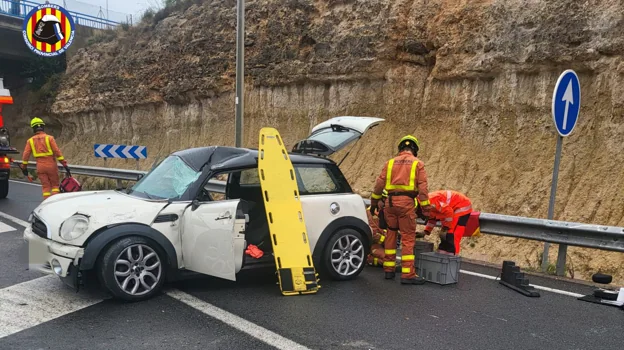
46	153
405	180
454	211
376	255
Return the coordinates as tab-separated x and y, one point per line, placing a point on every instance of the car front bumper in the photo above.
52	257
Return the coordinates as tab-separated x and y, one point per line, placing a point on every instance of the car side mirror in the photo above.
195	205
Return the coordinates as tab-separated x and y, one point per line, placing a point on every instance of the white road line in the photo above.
6	228
14	219
25	183
234	321
31	303
558	291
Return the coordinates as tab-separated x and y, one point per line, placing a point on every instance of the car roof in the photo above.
224	158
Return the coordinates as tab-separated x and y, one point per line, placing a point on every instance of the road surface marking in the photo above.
31	303
6	228
14	219
25	183
558	291
234	321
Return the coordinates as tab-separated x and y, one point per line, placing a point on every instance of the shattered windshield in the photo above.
169	180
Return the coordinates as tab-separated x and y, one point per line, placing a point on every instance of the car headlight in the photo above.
74	227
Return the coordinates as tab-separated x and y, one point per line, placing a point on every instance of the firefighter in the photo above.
453	210
376	255
405	180
43	147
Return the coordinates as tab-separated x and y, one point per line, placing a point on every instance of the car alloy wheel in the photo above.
347	255
138	270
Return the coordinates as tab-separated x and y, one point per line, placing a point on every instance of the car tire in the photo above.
4	188
146	268
341	255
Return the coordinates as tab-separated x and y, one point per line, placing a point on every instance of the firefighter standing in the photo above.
405	180
43	147
453	210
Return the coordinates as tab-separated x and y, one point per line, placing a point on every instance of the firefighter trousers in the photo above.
401	218
49	177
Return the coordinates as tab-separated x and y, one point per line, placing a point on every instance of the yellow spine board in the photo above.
289	237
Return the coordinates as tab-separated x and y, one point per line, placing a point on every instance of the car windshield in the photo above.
333	138
169	180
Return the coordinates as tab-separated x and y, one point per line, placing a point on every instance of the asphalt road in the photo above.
367	313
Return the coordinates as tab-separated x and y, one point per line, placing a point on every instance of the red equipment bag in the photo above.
70	184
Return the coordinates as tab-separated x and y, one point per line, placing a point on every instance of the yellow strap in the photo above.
412	180
34	151
408	258
424	203
382	239
61	158
390	251
25	162
389	263
376	196
406	270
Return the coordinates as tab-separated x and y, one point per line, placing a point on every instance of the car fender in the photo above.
95	245
343	222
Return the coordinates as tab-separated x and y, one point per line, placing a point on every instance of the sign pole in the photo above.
553	195
566	105
240	76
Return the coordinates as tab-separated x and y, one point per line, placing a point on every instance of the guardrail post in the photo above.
119	185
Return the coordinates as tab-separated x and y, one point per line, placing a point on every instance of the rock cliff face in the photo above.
472	79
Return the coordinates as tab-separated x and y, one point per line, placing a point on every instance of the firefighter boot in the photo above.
415	280
390	275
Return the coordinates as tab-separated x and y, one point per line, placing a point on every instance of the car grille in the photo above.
39	228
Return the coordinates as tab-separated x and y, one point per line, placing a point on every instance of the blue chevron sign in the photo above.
119	151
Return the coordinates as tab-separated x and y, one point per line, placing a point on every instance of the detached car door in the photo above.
335	134
208	238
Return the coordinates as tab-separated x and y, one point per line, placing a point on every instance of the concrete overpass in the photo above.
12	46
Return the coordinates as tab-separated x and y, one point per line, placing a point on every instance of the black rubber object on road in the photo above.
512	278
602	278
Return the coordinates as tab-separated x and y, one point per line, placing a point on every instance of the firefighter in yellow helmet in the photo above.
43	147
405	180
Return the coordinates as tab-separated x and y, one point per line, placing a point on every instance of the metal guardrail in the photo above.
609	238
21	8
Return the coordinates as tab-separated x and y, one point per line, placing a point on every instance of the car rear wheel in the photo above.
344	255
4	188
133	268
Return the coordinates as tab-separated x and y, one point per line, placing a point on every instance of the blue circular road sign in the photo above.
566	103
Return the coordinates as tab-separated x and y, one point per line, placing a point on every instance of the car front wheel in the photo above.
344	255
133	268
4	188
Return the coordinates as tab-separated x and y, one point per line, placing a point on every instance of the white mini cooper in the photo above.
197	211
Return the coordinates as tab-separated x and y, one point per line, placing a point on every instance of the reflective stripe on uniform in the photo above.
412	179
463	209
34	150
25	162
60	159
448	197
390	251
408	258
375	261
389	263
382	239
424	203
448	219
46	194
375	196
406	270
55	190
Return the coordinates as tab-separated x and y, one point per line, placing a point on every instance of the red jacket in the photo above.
447	205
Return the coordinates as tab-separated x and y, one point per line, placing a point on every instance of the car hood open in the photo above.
103	208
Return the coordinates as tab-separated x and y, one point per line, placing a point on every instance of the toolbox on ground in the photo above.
419	248
439	268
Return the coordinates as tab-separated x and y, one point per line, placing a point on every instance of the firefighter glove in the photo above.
374	207
64	162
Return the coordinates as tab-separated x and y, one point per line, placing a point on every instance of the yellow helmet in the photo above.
407	140
36	121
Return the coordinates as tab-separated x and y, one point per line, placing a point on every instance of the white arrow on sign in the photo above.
99	150
568	98
126	152
113	150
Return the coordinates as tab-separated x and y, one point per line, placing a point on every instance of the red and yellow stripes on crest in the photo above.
65	28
